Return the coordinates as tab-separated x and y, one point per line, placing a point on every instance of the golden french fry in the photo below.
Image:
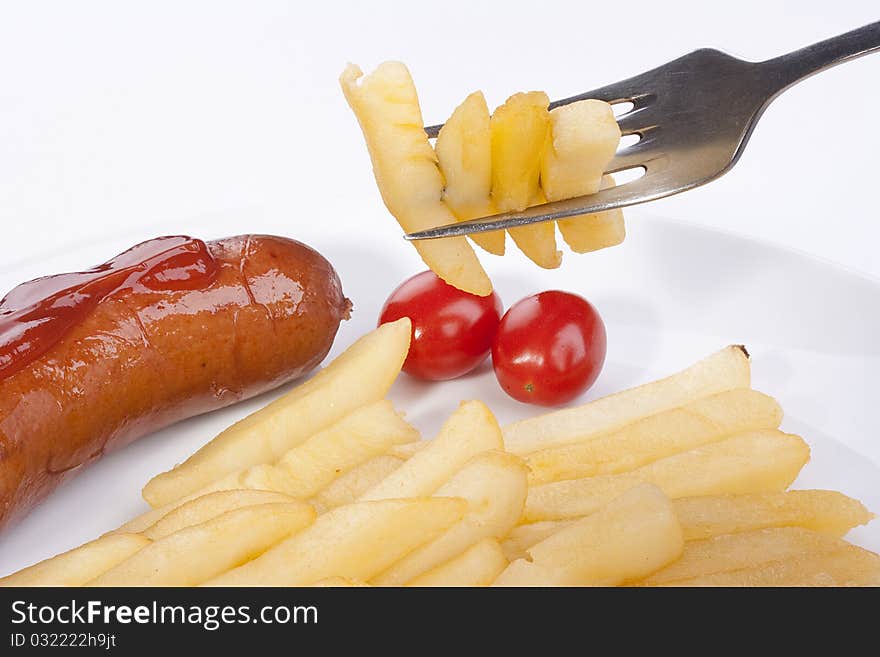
359	376
407	449
627	539
356	541
387	107
257	477
81	564
350	486
518	541
744	550
657	436
197	553
523	572
479	565
519	129
591	232
464	154
206	507
727	369
847	566
824	511
747	463
538	241
339	582
470	430
369	431
583	139
495	486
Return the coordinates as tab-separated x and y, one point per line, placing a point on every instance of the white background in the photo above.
118	116
123	121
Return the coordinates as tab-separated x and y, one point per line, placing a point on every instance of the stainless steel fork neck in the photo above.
783	71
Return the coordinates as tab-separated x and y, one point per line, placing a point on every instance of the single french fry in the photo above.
760	461
206	507
538	241
627	539
339	582
727	369
519	130
405	166
464	154
824	511
523	572
848	566
657	436
350	486
197	553
479	565
495	486
744	550
518	541
407	449
367	432
470	430
356	541
81	564
584	138
586	233
256	477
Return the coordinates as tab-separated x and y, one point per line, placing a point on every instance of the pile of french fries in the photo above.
679	482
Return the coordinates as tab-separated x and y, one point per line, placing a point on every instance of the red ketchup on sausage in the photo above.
35	315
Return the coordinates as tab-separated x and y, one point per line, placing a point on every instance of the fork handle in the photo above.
788	69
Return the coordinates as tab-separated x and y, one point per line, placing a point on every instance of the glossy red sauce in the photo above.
35	315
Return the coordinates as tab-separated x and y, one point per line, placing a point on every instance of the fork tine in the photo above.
637	191
636	122
627	159
630	90
637	154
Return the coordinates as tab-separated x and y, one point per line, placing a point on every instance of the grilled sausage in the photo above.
187	332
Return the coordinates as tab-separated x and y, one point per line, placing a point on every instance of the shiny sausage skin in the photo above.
145	359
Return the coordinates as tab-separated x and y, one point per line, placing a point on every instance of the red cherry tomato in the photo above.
550	348
452	330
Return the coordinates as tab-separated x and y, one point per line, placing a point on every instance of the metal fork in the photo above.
694	116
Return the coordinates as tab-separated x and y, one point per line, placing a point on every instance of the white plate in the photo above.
670	295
